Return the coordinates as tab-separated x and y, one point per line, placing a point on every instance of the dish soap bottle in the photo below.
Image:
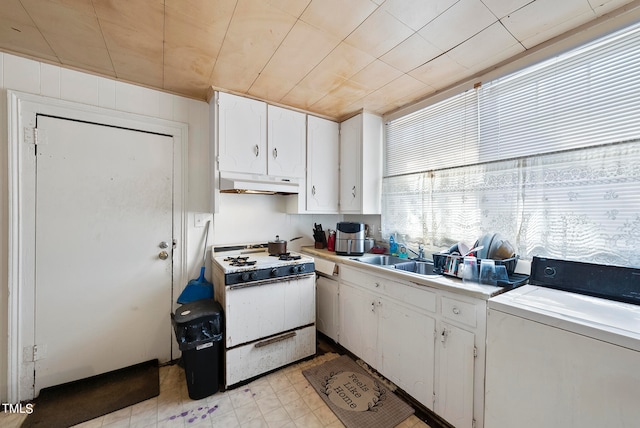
393	247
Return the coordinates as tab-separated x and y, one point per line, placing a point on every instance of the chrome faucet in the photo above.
419	253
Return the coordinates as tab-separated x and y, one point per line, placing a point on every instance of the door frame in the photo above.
22	110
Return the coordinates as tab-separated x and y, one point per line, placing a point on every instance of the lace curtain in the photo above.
579	204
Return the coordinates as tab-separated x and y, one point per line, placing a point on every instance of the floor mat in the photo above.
355	397
82	400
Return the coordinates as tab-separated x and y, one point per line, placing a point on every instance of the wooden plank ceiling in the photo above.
331	57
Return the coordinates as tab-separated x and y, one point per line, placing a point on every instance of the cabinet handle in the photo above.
455	310
353	191
377	284
373	306
257	150
313	190
275	152
275	339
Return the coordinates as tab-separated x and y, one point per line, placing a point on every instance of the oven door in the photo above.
265	309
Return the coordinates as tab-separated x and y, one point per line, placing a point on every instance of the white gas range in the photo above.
269	306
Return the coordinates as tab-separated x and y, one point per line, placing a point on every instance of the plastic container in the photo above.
446	264
198	327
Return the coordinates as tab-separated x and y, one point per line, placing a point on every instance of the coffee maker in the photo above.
349	238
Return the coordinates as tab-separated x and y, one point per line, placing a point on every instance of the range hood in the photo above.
232	182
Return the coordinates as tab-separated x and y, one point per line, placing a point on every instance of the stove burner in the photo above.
287	257
240	261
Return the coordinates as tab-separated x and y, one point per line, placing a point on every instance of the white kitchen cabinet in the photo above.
322	165
406	346
359	322
257	138
378	325
242	134
327	314
286	142
427	341
361	164
455	375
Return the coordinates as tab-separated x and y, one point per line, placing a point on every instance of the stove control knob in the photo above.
245	276
301	268
273	272
294	269
253	276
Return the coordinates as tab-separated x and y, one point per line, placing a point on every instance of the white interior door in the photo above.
103	208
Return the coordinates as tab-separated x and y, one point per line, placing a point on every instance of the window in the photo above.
548	156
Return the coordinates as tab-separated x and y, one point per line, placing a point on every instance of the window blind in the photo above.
548	156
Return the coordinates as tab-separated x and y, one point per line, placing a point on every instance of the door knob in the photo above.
163	255
163	244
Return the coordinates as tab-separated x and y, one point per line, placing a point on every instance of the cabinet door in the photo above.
455	370
406	340
242	134
327	307
359	322
322	165
350	164
287	137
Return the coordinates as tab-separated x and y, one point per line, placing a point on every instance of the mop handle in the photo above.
206	240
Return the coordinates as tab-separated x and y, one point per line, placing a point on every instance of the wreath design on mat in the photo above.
354	391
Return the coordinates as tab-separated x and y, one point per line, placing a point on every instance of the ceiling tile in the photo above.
187	70
255	32
379	33
502	8
18	33
544	19
600	7
292	7
72	31
337	17
388	97
491	46
411	53
415	14
441	72
303	48
460	22
376	75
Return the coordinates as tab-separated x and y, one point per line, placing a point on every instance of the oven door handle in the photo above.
275	339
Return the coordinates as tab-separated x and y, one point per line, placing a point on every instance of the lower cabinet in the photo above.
327	307
455	375
428	342
358	331
406	347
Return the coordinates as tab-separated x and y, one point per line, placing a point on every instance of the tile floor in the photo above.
283	399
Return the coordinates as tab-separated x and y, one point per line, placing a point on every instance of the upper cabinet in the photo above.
286	142
361	164
257	138
322	165
242	134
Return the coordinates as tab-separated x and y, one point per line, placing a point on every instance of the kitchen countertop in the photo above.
447	283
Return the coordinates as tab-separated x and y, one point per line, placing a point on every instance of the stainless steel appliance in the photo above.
269	306
349	238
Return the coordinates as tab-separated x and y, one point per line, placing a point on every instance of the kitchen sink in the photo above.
421	267
380	260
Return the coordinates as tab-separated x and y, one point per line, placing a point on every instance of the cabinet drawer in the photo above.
461	312
362	279
419	297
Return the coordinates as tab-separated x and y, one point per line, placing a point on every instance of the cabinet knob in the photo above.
313	190
275	152
353	191
377	284
257	150
455	310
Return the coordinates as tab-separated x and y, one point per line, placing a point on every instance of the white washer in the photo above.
559	359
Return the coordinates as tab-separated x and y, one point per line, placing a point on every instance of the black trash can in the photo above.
198	326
